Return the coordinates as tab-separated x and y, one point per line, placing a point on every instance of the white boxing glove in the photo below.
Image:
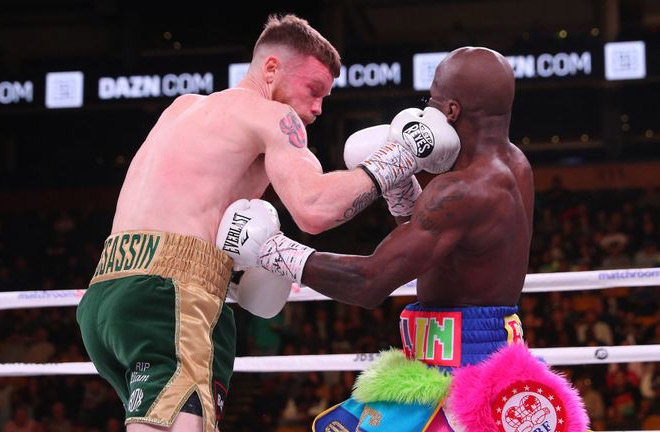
244	228
260	292
401	199
361	144
429	136
417	140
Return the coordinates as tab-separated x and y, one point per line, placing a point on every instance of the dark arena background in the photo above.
83	81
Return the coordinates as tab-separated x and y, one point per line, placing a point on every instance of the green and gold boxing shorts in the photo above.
155	325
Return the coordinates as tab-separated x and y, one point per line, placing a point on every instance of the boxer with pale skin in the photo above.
154	319
206	152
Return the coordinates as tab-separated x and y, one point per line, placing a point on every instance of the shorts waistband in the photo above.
453	337
187	259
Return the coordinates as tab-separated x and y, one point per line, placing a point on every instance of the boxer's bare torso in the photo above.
206	152
193	164
494	196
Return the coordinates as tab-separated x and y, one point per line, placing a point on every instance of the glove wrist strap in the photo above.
401	199
284	257
379	192
390	165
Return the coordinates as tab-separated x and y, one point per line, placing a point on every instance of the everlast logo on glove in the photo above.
421	136
233	239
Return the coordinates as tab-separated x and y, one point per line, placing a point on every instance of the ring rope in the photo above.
534	283
358	362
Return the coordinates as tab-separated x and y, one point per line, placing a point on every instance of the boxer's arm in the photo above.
438	223
316	201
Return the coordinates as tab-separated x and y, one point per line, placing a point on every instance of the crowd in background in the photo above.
574	231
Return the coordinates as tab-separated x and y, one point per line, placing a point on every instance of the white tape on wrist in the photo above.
401	200
284	257
390	165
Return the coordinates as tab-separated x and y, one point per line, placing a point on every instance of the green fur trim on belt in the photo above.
394	378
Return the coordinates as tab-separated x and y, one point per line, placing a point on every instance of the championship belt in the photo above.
394	395
514	391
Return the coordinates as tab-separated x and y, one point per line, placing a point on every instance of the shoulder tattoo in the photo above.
440	206
292	127
441	197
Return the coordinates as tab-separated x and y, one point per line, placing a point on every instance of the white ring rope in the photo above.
540	282
534	283
358	362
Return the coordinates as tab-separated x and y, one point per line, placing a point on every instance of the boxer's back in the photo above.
488	267
203	153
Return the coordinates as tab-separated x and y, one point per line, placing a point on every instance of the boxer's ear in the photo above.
269	68
453	110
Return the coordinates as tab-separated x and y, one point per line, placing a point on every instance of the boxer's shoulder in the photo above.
255	107
451	187
478	183
179	105
283	125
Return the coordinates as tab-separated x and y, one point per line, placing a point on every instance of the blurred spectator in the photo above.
648	255
593	328
627	331
615	258
308	343
558	330
624	397
6	390
557	198
549	222
339	340
58	422
653	332
95	392
313	397
14	347
22	421
649	385
593	402
322	325
531	318
40	349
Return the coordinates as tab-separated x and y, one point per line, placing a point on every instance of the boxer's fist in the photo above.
401	199
244	228
359	146
364	142
260	292
428	136
416	140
